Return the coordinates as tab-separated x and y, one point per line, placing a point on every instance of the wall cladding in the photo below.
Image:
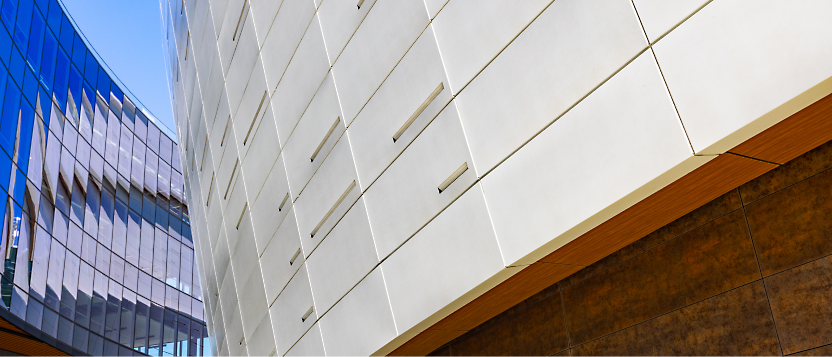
749	273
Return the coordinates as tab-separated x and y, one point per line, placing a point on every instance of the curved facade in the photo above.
382	176
97	249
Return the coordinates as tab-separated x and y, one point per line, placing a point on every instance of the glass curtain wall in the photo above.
96	237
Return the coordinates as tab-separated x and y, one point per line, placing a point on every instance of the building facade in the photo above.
381	177
98	254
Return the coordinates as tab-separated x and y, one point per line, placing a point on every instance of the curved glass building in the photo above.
97	247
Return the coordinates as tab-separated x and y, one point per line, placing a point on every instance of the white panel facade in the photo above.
360	172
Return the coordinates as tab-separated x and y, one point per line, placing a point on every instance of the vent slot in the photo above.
285	198
210	190
234	37
306	315
225	131
326	137
256	114
292	261
419	111
187	45
453	177
243	213
204	152
332	210
231	179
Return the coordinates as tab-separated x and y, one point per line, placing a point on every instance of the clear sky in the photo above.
127	34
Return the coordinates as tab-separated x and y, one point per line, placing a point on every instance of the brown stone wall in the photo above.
749	273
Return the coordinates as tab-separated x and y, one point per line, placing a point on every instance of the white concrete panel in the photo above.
253	304
283	38
261	342
658	16
315	134
545	71
411	84
289	308
339	20
364	64
434	6
276	258
263	150
237	79
267	212
470	34
340	261
453	254
264	12
218	14
328	196
310	345
626	133
223	124
244	258
235	336
231	214
736	68
230	31
362	321
222	258
252	110
304	75
228	294
407	195
218	330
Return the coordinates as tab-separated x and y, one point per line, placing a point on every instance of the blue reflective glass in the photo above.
75	85
8	13
103	85
45	106
19	189
91	68
42	5
47	67
54	17
8	121
67	34
118	94
27	121
36	40
5	171
5	47
30	85
79	51
16	67
61	83
21	26
88	91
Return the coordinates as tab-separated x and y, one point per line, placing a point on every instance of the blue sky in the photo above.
127	34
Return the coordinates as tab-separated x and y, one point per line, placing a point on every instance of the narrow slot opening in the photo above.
360	2
231	179
419	111
243	213
292	261
332	210
210	190
453	177
256	114
306	315
326	137
225	131
187	45
204	152
285	198
242	11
